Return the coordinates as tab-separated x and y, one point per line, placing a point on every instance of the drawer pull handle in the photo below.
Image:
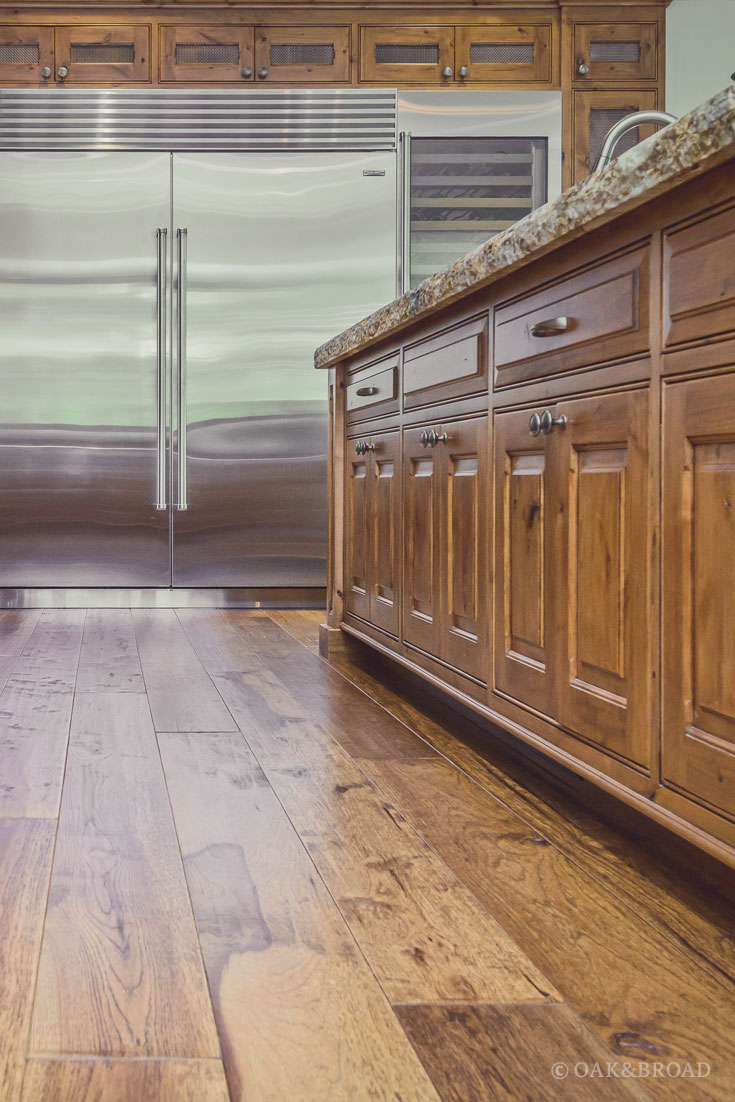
550	327
366	391
548	421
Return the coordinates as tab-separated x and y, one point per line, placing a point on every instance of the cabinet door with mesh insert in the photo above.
303	54
615	51
194	54
103	54
595	113
407	55
504	54
24	54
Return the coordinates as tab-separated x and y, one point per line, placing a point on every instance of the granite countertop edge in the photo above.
696	142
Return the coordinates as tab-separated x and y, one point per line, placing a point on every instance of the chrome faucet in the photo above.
616	132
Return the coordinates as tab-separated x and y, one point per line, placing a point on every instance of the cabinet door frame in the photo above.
385	518
698	760
338	36
583	103
539	71
27	72
527	673
585	33
406	72
358	475
184	34
421	627
138	71
604	450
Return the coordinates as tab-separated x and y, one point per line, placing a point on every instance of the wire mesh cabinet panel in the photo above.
615	51
407	55
90	55
212	53
594	115
466	190
302	54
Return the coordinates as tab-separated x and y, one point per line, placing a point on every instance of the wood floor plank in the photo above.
698	920
125	1081
26	848
120	972
109	655
422	932
181	694
506	1053
301	1017
16	626
50	655
642	996
7	665
217	641
34	730
302	623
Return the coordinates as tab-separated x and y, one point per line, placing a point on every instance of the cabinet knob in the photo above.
548	421
247	72
583	69
263	73
448	71
534	424
430	438
46	72
464	71
62	72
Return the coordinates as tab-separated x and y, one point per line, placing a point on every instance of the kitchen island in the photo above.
532	481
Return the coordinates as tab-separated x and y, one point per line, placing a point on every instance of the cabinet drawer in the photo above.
446	365
699	279
598	315
373	392
615	51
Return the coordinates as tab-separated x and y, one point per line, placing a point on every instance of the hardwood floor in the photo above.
230	870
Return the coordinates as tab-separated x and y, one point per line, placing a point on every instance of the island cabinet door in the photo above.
384	530
421	542
698	598
525	553
603	556
463	563
357	529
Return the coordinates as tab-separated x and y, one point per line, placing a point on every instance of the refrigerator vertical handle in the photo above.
161	259
181	242
405	213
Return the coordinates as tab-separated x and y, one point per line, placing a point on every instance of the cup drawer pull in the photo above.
550	327
366	391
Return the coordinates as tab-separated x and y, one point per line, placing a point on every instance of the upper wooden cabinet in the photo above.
26	54
212	53
303	54
91	55
404	54
615	51
594	114
504	54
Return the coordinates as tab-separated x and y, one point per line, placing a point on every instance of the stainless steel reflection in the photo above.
181	256
291	597
161	348
78	361
283	250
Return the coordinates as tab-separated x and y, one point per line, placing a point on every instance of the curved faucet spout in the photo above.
613	136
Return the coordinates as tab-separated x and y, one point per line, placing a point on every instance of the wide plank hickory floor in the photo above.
232	870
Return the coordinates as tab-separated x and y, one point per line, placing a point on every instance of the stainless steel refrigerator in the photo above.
161	422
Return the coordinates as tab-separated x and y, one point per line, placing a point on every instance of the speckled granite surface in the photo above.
696	142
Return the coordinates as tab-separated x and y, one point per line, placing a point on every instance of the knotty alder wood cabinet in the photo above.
538	491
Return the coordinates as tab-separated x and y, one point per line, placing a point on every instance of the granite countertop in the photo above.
697	141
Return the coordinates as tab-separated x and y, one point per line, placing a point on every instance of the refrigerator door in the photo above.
281	251
82	432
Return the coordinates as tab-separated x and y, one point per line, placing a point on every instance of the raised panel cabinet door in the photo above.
212	53
26	54
302	54
615	51
504	54
87	55
594	114
357	531
525	555
407	55
698	592
421	544
384	522
464	568
605	680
